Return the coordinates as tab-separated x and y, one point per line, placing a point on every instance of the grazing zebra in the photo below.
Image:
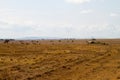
92	41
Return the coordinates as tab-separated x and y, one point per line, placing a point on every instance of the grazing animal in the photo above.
6	41
92	41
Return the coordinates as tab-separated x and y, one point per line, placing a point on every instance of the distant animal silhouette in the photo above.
92	41
6	41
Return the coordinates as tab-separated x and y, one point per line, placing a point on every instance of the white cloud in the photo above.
81	1
6	10
114	14
13	23
77	1
8	30
97	31
86	11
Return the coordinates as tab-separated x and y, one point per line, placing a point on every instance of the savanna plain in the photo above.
60	60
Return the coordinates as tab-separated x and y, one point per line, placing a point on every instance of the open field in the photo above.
59	60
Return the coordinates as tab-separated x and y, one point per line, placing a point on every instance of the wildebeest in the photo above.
8	40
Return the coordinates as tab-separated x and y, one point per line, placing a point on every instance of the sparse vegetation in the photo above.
59	60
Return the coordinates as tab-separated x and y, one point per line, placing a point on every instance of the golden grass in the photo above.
59	60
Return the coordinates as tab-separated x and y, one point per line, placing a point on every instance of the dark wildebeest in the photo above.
6	41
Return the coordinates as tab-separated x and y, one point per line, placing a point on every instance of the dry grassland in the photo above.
59	60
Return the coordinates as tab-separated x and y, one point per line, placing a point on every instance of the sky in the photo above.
60	18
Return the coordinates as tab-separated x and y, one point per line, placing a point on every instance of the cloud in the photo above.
6	10
77	1
64	30
114	14
97	31
14	27
15	23
86	11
